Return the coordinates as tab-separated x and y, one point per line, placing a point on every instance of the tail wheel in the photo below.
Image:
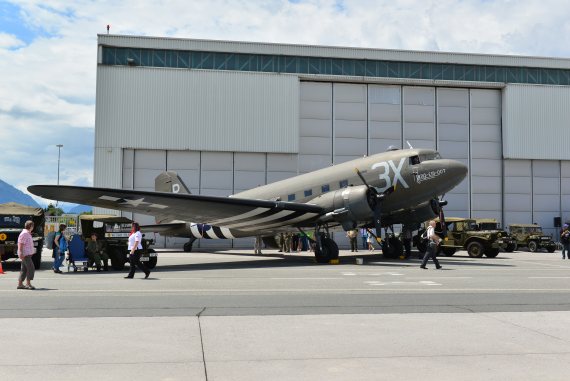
532	246
491	253
475	249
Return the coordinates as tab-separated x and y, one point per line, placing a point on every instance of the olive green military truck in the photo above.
492	224
115	231
463	234
13	217
531	236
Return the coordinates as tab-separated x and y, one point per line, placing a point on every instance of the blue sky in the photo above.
48	53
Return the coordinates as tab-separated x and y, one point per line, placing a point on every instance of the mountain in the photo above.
80	209
10	194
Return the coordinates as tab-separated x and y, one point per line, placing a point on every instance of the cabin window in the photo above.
343	184
308	192
291	197
325	188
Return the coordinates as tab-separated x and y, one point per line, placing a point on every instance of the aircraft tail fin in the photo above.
170	182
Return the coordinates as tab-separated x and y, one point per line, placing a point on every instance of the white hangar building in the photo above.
228	116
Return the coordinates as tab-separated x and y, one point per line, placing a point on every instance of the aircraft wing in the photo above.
236	213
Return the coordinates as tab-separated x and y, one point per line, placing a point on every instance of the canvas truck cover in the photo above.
13	208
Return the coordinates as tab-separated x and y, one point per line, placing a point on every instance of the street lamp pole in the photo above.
58	159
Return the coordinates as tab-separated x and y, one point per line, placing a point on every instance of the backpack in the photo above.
50	240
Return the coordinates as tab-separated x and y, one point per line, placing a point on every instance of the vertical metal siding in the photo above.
198	110
536	122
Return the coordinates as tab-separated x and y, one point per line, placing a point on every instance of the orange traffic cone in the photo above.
1	269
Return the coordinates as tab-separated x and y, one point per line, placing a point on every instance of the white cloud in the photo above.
47	86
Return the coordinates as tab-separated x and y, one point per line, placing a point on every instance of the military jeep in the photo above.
531	236
493	224
463	234
13	217
115	231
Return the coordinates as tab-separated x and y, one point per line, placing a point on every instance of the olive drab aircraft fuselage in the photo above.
393	187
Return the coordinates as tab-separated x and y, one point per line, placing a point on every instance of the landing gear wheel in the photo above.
328	251
392	248
188	245
151	264
511	247
532	246
475	249
448	251
491	253
422	246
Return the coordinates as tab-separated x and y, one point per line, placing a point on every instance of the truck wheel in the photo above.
475	249
151	264
117	259
448	251
491	253
511	247
532	246
37	259
551	249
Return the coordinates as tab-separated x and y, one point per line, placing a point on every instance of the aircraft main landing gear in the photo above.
188	245
325	248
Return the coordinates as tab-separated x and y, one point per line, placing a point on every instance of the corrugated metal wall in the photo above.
196	110
536	122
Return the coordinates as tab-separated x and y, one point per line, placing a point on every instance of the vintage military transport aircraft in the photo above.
399	186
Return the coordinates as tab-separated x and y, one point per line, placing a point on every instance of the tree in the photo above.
51	210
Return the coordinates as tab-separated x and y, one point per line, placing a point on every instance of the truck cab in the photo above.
114	231
13	217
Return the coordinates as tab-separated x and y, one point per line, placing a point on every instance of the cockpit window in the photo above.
430	156
414	160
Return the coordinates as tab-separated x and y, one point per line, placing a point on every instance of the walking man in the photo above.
25	252
352	234
433	242
565	241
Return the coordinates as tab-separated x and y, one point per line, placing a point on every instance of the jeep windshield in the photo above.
534	230
14	222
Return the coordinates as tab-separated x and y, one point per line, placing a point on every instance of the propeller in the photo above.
375	200
437	207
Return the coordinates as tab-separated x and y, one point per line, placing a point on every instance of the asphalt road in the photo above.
236	316
239	283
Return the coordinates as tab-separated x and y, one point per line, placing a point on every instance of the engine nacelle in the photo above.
347	206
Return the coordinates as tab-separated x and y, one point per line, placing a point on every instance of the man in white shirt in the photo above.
433	242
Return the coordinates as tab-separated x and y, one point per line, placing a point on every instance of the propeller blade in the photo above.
361	177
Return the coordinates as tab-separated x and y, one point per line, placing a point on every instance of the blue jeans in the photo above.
57	258
566	248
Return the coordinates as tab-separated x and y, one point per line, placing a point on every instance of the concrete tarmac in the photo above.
235	316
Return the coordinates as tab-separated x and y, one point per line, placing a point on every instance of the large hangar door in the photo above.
419	116
486	154
518	192
453	142
315	127
565	190
350	122
147	164
546	194
384	118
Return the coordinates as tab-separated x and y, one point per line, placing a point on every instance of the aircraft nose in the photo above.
457	170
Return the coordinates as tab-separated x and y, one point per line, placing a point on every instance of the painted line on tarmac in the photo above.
544	264
549	277
42	293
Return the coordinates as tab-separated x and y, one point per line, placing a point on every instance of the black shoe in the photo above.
439	267
423	267
146	275
129	277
